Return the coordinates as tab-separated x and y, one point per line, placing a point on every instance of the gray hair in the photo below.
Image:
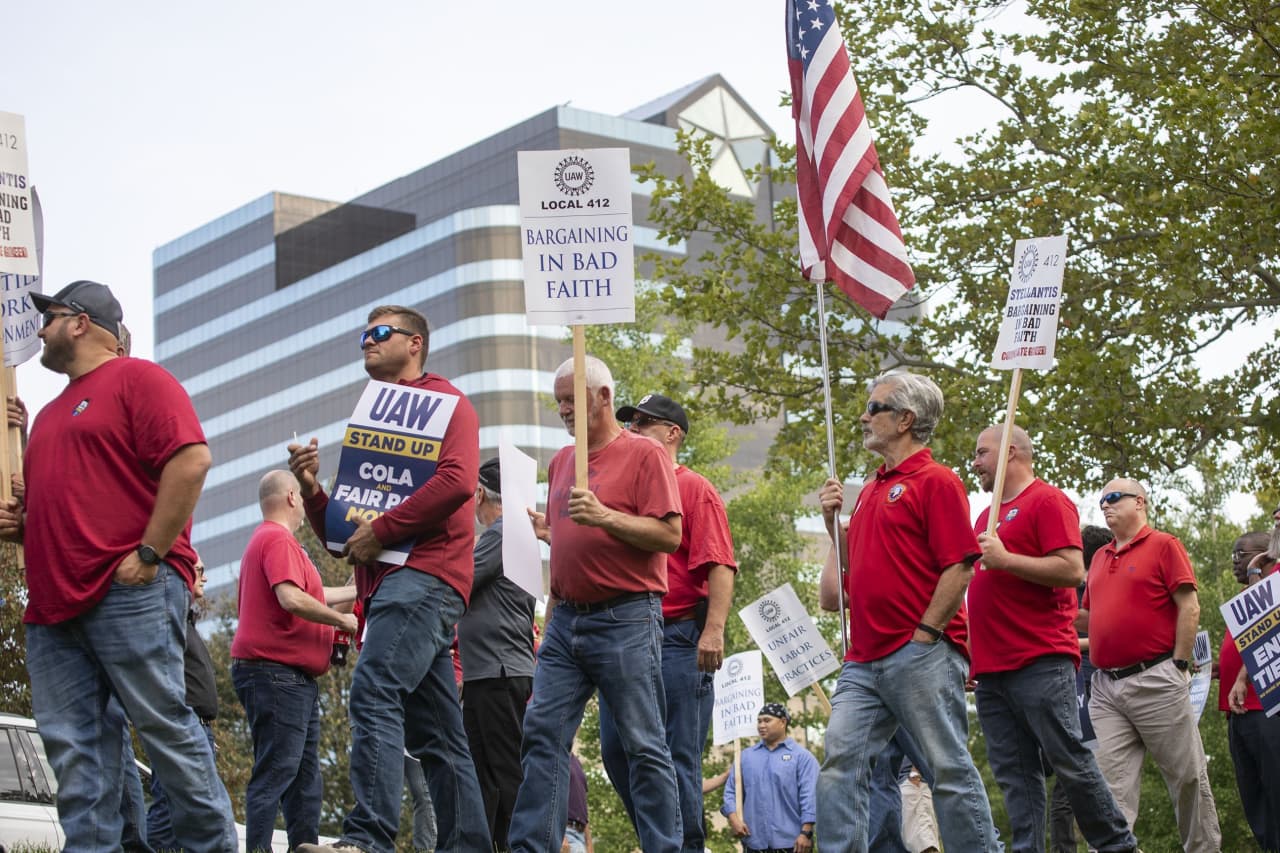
490	495
598	374
913	393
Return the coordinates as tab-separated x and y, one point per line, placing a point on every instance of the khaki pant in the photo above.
919	826
1151	712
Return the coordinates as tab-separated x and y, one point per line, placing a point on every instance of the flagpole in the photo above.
831	458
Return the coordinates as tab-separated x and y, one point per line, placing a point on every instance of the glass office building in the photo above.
444	240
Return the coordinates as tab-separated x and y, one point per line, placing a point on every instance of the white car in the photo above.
28	816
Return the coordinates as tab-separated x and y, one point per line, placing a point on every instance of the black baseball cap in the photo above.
86	297
491	475
656	406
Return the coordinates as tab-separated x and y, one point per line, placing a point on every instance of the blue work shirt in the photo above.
779	793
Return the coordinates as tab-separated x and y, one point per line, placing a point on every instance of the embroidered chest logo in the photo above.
1011	514
80	407
896	492
786	757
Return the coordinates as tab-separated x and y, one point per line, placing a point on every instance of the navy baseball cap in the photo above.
491	475
86	297
656	406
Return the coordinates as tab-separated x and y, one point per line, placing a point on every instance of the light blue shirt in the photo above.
779	793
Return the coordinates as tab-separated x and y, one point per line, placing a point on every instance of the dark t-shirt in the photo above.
202	692
577	791
495	636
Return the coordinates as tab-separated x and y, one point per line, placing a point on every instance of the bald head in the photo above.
280	499
986	460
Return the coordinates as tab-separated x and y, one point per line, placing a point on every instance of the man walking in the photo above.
1141	611
109	581
1022	608
403	694
495	643
284	636
909	557
604	620
700	577
779	784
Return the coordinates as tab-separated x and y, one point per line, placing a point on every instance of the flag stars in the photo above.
813	5
816	23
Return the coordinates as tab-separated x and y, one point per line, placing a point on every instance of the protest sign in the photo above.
21	320
785	632
739	696
1029	325
1253	618
577	237
521	551
1203	656
17	225
390	448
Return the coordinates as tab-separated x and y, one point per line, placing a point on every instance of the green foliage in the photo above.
15	685
1141	129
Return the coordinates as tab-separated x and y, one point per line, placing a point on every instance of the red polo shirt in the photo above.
1014	621
908	524
704	542
1129	596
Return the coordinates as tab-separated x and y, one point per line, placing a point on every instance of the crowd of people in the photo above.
642	573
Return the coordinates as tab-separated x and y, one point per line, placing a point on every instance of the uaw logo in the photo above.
735	668
574	175
80	407
1027	263
896	492
1011	514
770	611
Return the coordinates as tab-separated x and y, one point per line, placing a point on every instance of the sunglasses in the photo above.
382	333
875	407
642	421
50	316
1114	497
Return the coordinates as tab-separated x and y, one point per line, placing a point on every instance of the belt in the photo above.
675	620
596	606
576	824
1125	672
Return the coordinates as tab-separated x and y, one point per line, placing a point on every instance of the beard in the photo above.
56	354
1273	547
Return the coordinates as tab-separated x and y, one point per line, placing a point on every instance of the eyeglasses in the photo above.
381	333
875	407
642	421
50	316
200	569
1114	497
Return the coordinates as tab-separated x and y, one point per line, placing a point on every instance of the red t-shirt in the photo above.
631	474
908	524
1014	621
91	470
1129	596
704	542
264	629
439	516
1229	665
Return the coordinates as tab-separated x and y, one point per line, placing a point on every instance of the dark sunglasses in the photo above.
49	316
875	407
642	421
382	333
1114	497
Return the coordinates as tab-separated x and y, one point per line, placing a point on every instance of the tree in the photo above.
1143	129
15	685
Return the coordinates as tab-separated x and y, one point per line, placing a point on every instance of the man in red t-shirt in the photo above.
909	556
113	469
284	637
403	692
1022	609
609	545
700	576
1254	738
1141	611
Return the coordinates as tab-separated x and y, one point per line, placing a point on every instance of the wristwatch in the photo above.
1183	665
148	555
807	833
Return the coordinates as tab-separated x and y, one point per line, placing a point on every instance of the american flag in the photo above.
849	233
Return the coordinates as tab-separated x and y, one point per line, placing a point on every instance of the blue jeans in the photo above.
1029	712
130	645
133	808
403	697
424	814
690	698
159	822
920	687
618	650
282	707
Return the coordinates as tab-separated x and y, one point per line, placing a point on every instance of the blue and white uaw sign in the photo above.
21	319
17	227
576	235
1253	618
785	632
1029	325
739	695
391	448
